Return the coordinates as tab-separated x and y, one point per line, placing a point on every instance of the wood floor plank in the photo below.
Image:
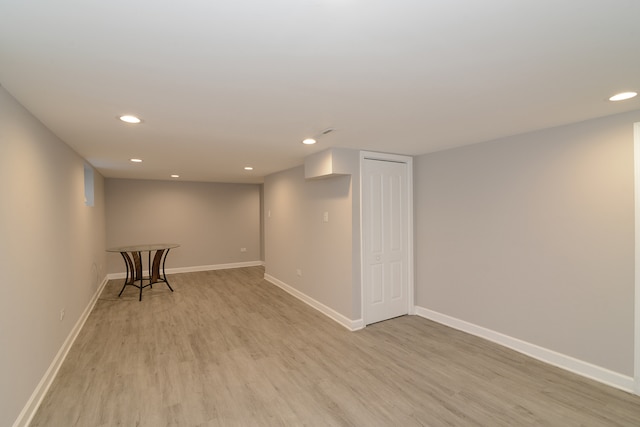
229	349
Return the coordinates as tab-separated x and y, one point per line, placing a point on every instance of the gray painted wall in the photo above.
211	221
297	238
51	250
533	236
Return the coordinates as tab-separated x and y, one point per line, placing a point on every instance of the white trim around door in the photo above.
369	155
636	161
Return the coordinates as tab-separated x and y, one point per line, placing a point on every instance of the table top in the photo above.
144	248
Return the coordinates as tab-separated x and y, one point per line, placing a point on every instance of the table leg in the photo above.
151	281
141	274
164	275
160	258
129	264
134	271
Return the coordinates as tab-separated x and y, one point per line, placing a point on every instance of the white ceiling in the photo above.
225	84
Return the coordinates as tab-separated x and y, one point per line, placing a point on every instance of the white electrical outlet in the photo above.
325	217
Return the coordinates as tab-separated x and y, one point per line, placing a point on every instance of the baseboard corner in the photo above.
352	325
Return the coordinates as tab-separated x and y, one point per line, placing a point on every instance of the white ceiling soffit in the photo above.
224	85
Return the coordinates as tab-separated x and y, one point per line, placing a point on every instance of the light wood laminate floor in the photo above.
229	349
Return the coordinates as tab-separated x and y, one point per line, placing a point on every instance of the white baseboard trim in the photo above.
551	357
32	405
195	268
352	325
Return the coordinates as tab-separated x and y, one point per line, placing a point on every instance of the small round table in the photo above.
132	256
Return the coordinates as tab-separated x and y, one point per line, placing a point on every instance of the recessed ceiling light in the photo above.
130	119
175	176
248	168
622	96
309	141
136	160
